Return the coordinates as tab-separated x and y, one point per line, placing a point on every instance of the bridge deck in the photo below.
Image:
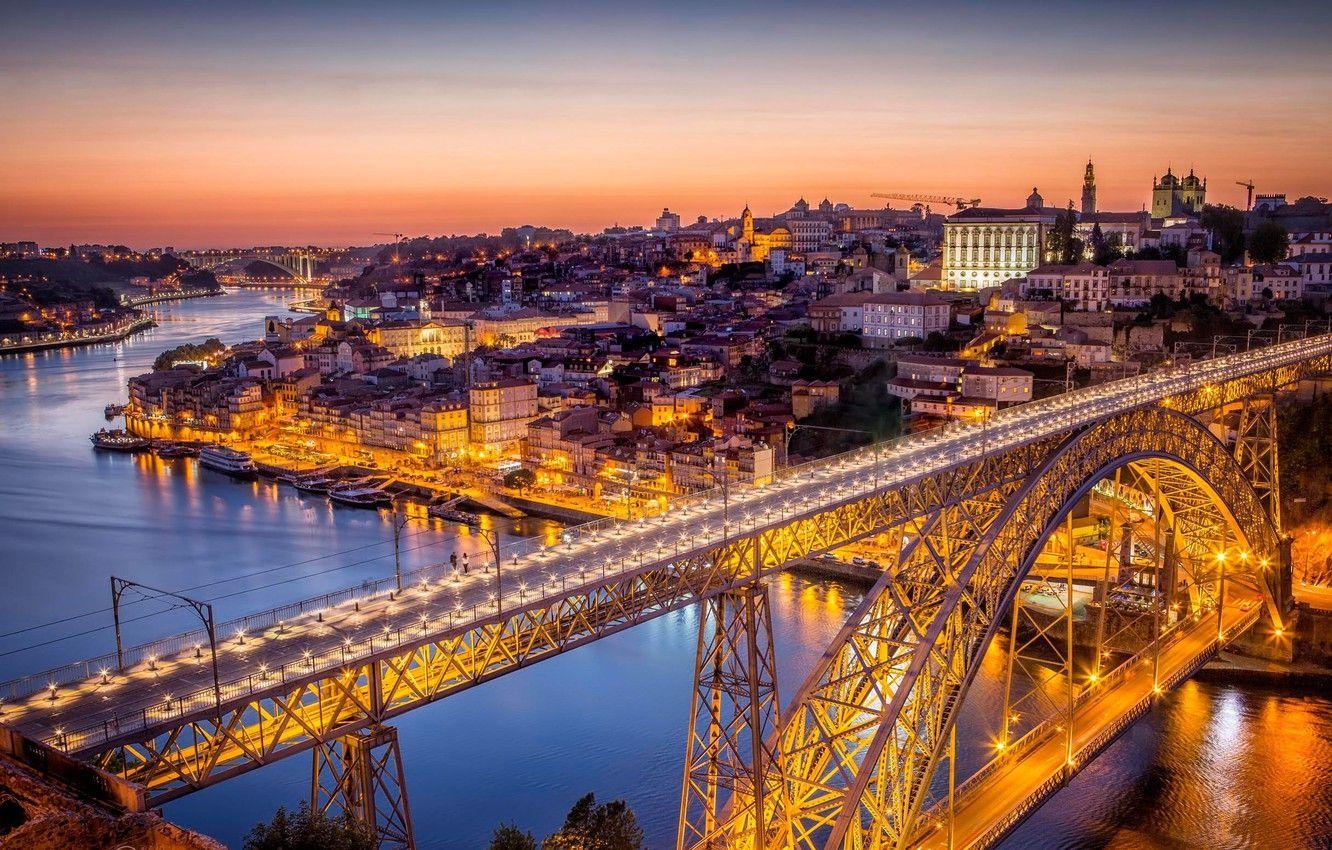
1002	795
298	642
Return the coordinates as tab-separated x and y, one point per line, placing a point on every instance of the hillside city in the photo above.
627	367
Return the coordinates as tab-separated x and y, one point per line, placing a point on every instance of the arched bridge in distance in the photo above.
1101	545
300	264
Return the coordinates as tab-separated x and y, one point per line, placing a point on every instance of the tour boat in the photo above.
170	451
360	497
118	441
228	460
447	511
114	410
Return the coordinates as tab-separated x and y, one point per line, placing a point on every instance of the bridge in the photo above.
299	263
1124	480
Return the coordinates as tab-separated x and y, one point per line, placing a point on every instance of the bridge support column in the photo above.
1256	450
733	771
360	774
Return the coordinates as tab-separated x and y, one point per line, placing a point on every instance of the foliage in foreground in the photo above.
588	826
304	829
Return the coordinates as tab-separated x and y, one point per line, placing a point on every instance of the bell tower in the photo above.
1089	190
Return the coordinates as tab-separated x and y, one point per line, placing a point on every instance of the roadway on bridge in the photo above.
1022	783
81	711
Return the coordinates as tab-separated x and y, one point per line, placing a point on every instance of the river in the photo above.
1213	766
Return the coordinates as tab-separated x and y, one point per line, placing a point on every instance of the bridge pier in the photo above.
360	774
733	769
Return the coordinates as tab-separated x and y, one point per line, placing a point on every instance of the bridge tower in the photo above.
1256	449
733	768
360	774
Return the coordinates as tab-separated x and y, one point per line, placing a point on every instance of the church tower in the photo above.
1089	190
747	226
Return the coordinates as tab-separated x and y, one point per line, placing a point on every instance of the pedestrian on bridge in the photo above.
453	561
465	563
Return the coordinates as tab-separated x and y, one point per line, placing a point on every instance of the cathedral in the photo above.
756	244
1173	197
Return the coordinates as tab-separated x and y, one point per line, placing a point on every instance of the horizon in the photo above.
200	128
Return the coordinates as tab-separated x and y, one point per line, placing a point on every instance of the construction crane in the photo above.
1249	185
397	243
960	203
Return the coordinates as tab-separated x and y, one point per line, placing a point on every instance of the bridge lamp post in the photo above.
491	538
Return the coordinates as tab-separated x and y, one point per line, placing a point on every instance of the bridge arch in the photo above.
934	656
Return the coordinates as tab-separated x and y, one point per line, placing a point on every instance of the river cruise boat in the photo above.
357	496
227	460
171	451
118	441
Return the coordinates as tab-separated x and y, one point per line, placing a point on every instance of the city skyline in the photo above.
217	127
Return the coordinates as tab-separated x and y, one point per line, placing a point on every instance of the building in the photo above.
755	244
499	415
1085	286
668	222
410	338
1173	197
953	388
985	246
894	316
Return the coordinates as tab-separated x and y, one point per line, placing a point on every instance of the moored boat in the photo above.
227	460
313	484
118	441
170	451
114	410
360	497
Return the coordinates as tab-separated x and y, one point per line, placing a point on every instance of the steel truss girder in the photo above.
360	775
201	749
732	760
866	732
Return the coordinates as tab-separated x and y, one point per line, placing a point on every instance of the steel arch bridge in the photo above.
967	511
299	264
869	728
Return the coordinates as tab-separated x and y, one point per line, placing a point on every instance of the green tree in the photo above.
305	829
520	479
1268	243
1227	227
509	837
610	826
1063	246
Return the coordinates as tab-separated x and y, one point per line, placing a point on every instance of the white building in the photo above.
985	246
892	316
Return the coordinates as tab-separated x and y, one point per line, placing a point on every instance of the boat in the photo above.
315	484
360	497
170	451
114	410
227	460
118	441
449	513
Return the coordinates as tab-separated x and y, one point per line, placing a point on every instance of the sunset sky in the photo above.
199	125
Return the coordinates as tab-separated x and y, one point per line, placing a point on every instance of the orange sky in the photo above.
195	128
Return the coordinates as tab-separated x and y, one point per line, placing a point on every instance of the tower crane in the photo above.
1247	185
960	203
397	243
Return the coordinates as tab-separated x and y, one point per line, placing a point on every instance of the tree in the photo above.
520	479
1268	243
1063	246
306	829
1227	228
509	837
610	826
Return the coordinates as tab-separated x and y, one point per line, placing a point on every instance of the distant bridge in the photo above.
1191	556
298	263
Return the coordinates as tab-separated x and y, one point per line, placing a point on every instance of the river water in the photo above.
1213	766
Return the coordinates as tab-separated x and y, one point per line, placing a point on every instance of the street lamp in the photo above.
491	538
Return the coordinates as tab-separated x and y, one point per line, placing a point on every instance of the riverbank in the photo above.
1232	668
180	295
73	339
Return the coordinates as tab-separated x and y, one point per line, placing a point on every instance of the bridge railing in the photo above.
1041	731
